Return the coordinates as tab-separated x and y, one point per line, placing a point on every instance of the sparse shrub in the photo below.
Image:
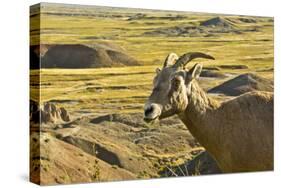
114	166
143	174
96	175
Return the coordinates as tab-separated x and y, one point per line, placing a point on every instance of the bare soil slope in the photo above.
110	147
64	163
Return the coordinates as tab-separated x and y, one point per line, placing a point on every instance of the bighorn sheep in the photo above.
237	133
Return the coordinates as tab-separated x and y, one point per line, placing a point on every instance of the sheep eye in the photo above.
176	81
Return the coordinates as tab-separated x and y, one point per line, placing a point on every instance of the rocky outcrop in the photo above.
47	113
53	114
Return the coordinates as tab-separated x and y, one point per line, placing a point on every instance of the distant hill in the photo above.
242	84
207	28
80	56
216	22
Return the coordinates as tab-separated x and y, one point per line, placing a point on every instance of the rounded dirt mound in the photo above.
242	84
217	21
82	56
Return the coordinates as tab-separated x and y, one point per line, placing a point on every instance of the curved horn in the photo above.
185	58
170	59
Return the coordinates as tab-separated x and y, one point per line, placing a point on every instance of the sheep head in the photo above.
171	86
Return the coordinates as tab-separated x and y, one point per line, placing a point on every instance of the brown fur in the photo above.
237	133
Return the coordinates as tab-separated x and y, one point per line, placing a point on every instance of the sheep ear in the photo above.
195	71
157	70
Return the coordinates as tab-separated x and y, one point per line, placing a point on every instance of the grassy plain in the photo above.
99	89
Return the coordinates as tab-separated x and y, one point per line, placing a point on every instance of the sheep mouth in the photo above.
150	120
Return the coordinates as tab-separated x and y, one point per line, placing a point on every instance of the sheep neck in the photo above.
199	117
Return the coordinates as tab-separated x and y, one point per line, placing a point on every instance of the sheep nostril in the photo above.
148	111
